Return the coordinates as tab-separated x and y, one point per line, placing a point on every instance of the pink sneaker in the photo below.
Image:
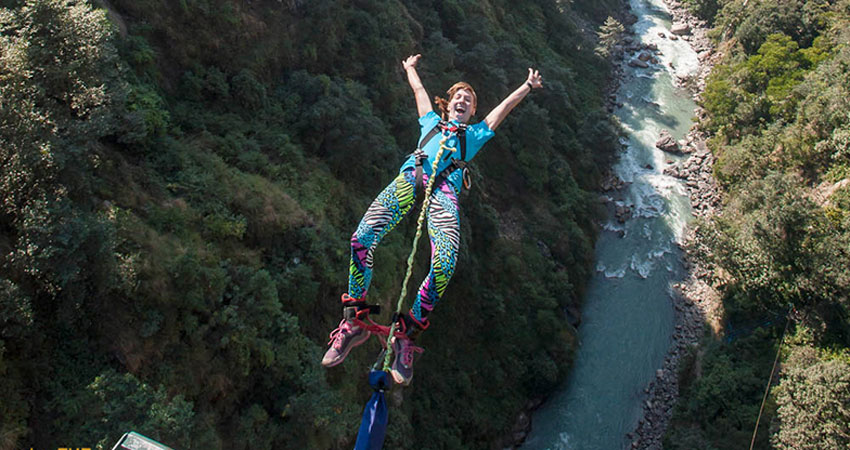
402	367
345	337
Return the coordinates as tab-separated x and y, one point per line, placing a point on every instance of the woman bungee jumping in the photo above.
458	143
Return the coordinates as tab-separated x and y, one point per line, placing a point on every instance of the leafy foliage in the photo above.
777	109
813	402
178	187
704	9
609	34
779	255
718	406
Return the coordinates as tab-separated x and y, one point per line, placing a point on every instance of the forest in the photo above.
778	113
180	180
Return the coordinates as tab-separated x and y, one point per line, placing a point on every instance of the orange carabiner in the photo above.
467	178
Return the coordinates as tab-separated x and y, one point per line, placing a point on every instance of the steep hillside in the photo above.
180	181
777	110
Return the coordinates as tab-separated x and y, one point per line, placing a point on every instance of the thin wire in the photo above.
769	381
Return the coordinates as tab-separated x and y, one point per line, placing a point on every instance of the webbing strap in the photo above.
419	222
420	156
461	137
460	131
437	128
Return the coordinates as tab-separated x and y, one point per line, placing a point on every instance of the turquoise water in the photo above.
627	321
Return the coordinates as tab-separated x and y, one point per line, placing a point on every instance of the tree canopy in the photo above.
180	181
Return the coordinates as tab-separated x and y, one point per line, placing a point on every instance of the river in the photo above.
628	319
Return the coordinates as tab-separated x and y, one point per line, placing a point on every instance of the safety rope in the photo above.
425	204
770	380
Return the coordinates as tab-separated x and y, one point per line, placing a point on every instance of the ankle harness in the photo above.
410	327
353	308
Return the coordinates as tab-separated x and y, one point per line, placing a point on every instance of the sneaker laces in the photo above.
339	333
407	352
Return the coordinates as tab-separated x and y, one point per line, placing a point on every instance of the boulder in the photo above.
666	143
638	63
612	182
622	213
645	56
673	37
681	29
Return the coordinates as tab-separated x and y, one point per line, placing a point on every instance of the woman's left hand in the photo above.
534	78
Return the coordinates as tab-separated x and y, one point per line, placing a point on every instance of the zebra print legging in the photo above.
385	212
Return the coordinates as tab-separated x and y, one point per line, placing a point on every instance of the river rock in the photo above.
622	213
644	56
612	182
673	37
666	143
681	29
638	63
661	35
672	171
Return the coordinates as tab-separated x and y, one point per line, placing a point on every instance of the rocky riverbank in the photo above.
695	300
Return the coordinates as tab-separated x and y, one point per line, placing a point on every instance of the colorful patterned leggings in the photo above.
384	214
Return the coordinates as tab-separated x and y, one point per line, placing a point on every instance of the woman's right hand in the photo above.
410	62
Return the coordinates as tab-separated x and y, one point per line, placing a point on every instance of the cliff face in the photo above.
180	181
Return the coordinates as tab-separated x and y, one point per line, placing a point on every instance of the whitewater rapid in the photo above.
628	319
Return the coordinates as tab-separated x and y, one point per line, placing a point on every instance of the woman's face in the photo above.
461	106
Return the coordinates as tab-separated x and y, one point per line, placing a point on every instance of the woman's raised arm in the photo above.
498	114
423	103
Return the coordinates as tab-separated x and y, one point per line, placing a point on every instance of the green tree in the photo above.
704	9
769	240
609	34
814	401
120	403
59	92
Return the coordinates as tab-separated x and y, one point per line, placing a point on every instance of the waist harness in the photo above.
419	154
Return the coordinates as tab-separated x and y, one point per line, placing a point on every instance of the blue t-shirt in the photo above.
476	136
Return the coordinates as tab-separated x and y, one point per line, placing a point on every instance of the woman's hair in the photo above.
443	104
